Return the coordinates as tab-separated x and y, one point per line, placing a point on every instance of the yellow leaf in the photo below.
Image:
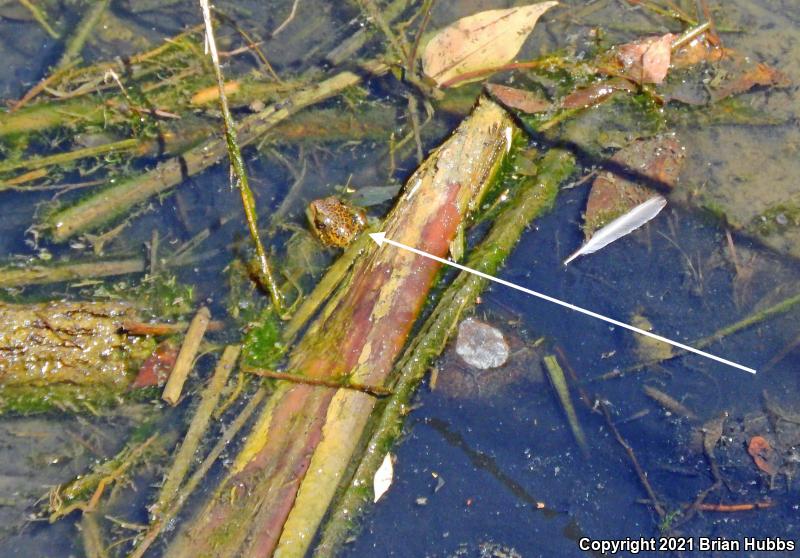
480	42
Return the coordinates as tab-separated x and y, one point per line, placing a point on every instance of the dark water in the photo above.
470	471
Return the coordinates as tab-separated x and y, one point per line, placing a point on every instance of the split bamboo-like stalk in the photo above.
535	197
306	435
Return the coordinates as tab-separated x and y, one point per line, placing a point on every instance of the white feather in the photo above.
383	477
621	226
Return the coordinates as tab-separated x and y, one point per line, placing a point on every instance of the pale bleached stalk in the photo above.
183	364
202	415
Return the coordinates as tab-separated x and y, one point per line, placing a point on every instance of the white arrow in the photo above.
380	238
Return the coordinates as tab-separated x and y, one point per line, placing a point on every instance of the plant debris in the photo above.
655	161
763	455
480	42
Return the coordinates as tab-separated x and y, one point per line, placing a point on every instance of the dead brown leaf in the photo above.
481	41
760	74
646	60
659	159
763	455
520	99
596	93
698	50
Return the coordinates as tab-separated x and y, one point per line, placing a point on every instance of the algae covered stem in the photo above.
535	197
110	203
283	483
238	170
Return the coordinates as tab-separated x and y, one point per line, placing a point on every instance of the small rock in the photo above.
481	345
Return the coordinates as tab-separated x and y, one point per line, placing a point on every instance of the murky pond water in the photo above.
488	463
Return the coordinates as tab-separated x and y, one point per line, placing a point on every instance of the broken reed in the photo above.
238	170
535	196
106	205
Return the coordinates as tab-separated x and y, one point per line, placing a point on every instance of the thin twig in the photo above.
415	127
713	36
39	16
378	391
781	354
251	43
411	63
35	163
690	35
654	500
41	86
73	48
234	395
288	19
735	507
758	317
142	328
230	433
397	43
131	455
732	248
239	171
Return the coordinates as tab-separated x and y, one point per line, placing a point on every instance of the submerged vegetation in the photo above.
458	140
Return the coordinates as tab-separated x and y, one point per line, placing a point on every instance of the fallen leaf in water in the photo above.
520	99
480	42
383	477
596	93
696	51
156	368
647	348
646	60
621	226
763	455
760	74
613	194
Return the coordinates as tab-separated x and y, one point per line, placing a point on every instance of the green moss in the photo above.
262	346
714	210
505	182
32	399
160	295
776	220
731	111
